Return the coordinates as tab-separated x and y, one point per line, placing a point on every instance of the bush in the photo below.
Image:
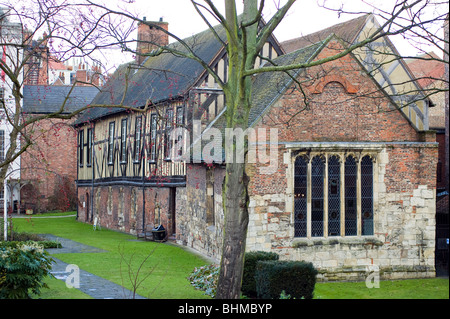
294	278
23	268
46	244
205	278
248	279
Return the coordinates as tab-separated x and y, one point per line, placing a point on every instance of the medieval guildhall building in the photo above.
355	178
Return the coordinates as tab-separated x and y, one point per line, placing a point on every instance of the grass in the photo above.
432	288
168	265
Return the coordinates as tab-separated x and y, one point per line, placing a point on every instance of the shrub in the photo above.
46	244
205	278
248	279
294	278
23	268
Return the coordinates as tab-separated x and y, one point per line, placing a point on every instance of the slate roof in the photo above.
346	31
159	79
48	98
268	87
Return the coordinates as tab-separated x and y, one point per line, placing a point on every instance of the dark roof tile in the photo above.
49	99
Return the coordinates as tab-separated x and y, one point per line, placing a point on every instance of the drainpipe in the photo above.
5	212
93	170
143	173
78	171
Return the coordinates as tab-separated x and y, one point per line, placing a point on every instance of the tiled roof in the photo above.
428	69
49	98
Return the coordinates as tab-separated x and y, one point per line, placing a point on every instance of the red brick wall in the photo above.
121	207
53	155
348	108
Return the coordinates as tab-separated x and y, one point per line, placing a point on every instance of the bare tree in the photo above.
244	41
246	34
32	33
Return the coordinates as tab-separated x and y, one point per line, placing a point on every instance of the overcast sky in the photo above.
304	17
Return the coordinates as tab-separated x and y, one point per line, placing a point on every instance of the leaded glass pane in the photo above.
334	197
317	178
300	197
350	197
367	196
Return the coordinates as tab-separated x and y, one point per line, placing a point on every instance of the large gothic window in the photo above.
333	196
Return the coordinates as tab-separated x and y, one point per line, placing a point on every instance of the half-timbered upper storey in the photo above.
134	147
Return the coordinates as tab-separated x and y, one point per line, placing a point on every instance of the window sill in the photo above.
338	240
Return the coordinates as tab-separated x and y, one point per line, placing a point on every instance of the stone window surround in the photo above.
342	150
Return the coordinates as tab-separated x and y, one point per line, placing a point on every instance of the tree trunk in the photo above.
235	195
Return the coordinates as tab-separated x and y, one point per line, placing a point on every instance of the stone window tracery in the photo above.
333	194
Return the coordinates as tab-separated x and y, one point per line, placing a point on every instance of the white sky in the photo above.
304	17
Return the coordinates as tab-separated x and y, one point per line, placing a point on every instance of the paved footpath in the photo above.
94	286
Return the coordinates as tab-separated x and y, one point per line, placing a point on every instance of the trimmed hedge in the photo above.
295	278
248	280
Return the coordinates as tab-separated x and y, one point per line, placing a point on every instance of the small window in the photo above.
123	141
168	141
89	147
81	147
153	137
137	139
111	143
180	123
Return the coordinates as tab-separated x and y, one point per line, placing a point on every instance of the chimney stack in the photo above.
150	38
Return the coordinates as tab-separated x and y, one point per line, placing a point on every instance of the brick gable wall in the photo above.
345	113
51	158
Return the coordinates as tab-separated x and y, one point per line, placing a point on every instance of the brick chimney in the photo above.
150	38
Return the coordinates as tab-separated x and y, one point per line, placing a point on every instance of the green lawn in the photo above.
432	288
168	265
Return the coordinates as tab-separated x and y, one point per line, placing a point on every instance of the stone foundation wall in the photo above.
194	228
